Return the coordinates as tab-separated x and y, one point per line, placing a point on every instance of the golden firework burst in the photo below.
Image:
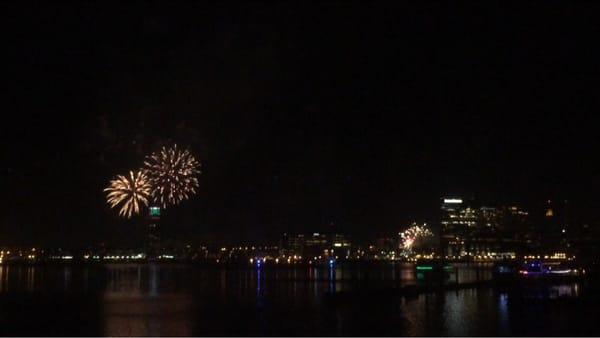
129	193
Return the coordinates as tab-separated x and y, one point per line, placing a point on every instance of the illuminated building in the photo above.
457	223
340	244
555	226
292	244
153	234
490	218
468	231
516	224
315	244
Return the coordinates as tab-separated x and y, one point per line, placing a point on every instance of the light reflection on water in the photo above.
181	300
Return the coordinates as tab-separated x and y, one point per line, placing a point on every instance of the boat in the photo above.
538	268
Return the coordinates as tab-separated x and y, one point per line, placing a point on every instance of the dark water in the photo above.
183	300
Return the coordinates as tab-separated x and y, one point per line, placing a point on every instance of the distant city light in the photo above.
453	200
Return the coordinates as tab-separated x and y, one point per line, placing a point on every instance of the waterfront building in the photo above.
555	230
468	231
457	224
315	244
152	244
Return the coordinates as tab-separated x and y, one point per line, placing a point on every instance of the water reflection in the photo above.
180	300
332	279
503	320
136	303
569	290
30	279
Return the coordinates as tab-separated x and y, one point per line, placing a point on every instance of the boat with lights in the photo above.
541	269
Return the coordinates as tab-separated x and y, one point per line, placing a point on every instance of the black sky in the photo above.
359	113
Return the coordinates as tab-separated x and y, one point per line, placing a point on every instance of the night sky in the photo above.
361	114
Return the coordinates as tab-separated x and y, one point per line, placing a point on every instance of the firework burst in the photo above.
129	193
412	234
173	175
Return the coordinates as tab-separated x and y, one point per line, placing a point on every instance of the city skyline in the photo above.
473	213
331	168
294	128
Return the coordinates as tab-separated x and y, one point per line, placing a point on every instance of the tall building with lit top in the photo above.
555	228
457	223
153	234
468	231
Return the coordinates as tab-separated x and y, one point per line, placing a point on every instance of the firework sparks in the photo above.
173	175
129	192
412	235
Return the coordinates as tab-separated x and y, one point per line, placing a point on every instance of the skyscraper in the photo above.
153	235
457	223
467	230
555	228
